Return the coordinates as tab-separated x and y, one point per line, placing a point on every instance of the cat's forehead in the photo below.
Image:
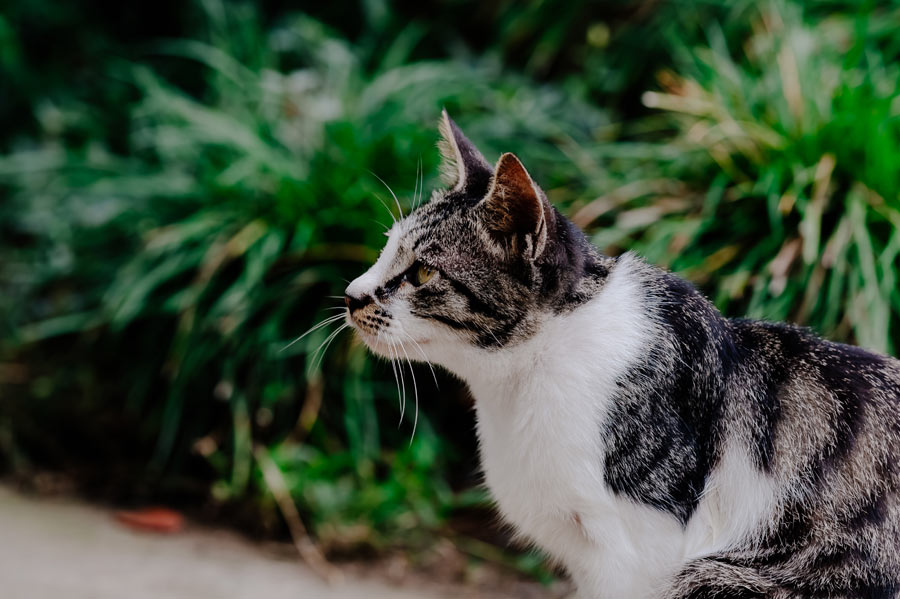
437	227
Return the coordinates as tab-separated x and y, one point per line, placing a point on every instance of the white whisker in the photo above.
378	222
402	382
424	357
412	373
415	197
386	207
392	193
490	332
315	327
421	183
326	343
396	382
416	189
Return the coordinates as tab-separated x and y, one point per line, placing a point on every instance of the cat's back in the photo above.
810	389
824	420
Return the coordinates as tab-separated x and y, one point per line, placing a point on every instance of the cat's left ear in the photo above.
515	210
463	168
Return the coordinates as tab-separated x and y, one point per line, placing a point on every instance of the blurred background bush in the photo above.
185	188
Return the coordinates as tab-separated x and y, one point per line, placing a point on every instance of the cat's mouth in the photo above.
381	342
370	335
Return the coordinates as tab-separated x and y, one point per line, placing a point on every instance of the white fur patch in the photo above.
384	267
739	504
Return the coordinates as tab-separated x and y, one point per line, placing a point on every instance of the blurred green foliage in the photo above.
175	210
791	141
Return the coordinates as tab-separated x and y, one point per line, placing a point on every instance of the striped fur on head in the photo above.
503	254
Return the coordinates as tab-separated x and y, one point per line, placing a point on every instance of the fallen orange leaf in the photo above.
155	519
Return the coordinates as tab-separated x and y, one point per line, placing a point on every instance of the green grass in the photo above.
787	146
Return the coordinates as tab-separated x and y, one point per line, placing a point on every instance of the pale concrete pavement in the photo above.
53	549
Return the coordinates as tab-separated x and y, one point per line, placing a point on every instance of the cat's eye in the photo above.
423	274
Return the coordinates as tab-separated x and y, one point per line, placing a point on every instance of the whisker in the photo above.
412	374
421	183
378	222
397	382
392	193
315	327
415	198
424	357
343	328
402	382
490	332
326	343
383	203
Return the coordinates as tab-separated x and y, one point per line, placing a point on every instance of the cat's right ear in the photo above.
462	165
515	211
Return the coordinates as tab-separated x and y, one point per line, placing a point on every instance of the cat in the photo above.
649	445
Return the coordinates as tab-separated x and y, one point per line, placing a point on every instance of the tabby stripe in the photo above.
450	322
390	286
476	304
500	335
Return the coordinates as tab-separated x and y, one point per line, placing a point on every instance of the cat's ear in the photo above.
515	210
462	165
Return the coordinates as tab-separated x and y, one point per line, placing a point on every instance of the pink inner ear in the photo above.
513	205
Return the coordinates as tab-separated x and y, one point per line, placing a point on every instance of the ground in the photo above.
55	548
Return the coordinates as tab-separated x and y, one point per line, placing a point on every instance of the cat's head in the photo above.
479	266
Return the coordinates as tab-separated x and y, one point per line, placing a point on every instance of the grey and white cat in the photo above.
650	445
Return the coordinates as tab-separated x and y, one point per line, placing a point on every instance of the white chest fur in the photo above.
542	456
540	416
548	482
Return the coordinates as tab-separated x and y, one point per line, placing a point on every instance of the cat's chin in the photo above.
375	345
380	347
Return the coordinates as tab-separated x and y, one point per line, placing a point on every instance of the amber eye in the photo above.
424	274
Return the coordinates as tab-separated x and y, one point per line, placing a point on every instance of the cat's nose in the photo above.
354	303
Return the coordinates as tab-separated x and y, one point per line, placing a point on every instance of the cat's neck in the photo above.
593	343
